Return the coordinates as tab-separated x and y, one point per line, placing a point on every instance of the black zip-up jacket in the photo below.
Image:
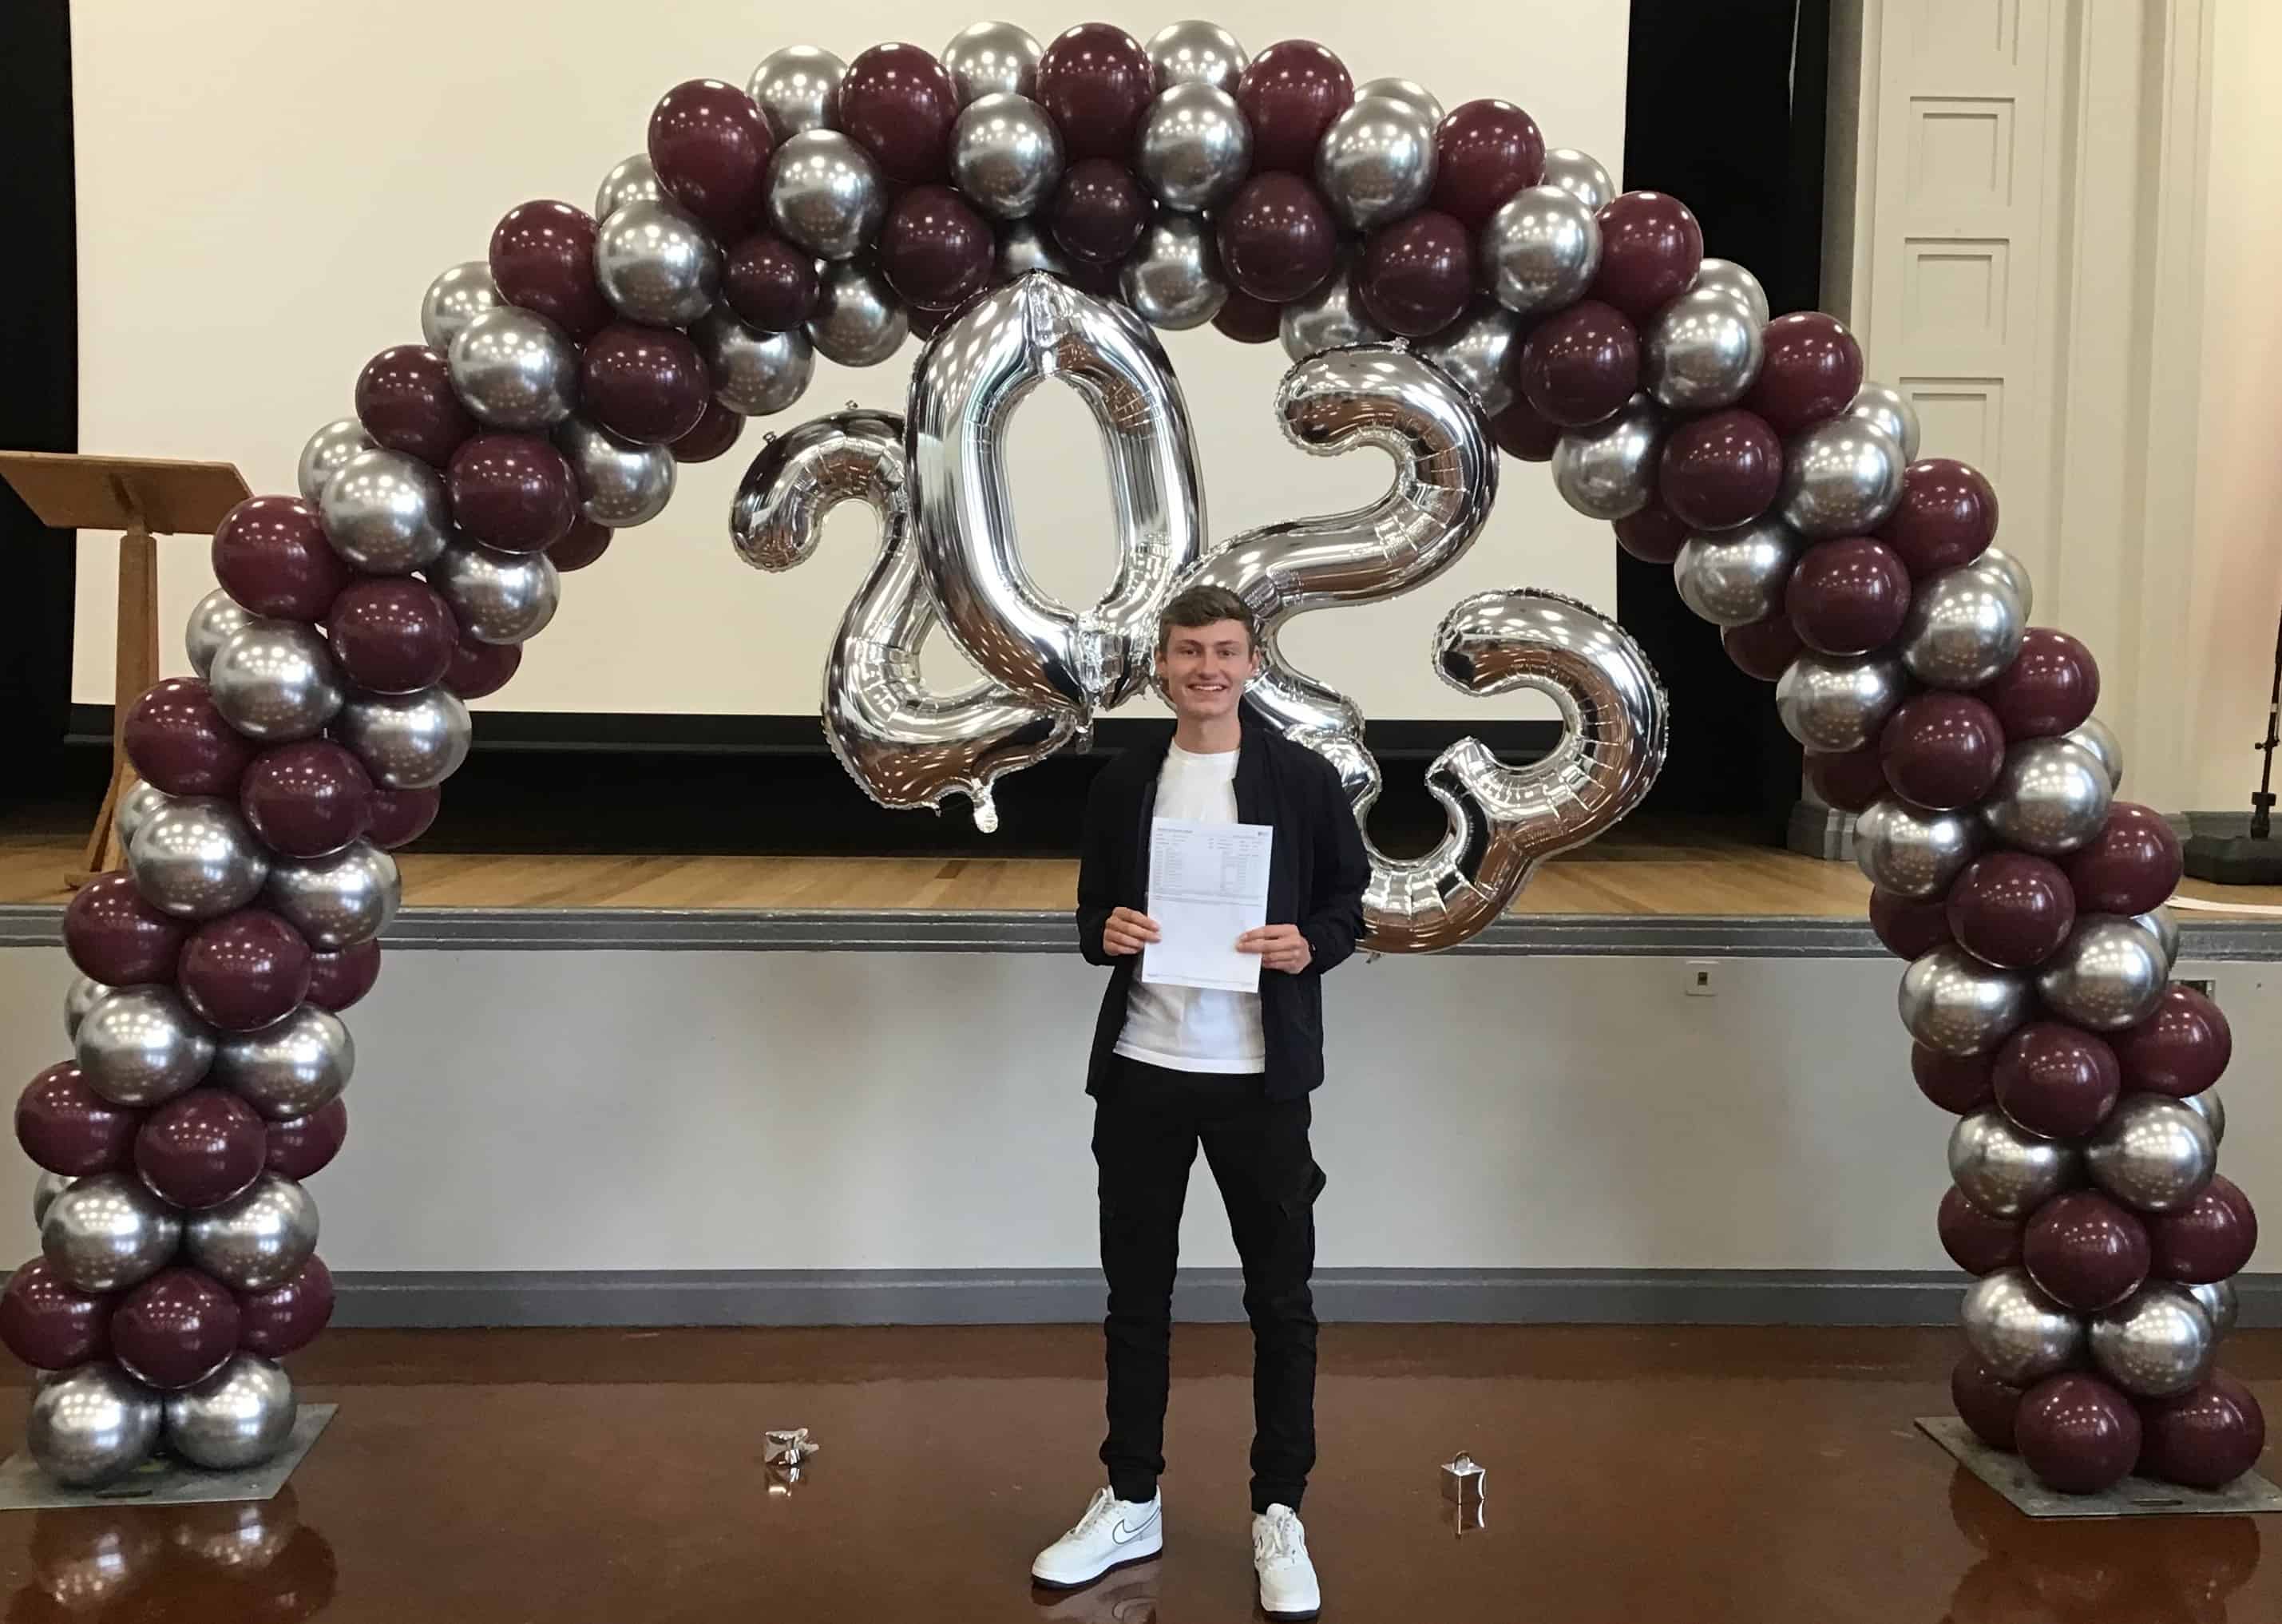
1317	872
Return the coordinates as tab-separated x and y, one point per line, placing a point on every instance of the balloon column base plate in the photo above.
164	1480
2134	1496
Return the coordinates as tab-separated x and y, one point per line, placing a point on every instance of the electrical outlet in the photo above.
1703	978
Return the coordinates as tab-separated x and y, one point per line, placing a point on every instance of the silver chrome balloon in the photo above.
2020	1334
2157	1342
1737	576
1701	353
1197	52
82	995
1540	251
2109	975
275	681
212	621
969	380
107	1232
2163	924
630	180
1911	851
2153	1153
385	512
1194	147
412	740
1964	628
244	1536
459	295
45	1188
654	263
1843	478
1579	173
291	1067
992	58
2220	1300
825	193
195	858
2010	573
2212	1110
257	1241
1837	701
1952	1002
328	448
1407	91
513	368
2006	1171
337	901
239	1416
2051	796
92	1426
134	809
1716	275
141	1046
1330	318
1005	155
859	320
1477	350
497	597
754	373
1173	278
1608	472
620	484
1376	162
2098	737
904	743
797	89
1883	407
1024	248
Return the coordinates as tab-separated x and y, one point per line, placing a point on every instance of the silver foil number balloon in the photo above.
291	1067
1701	351
797	89
92	1426
107	1232
337	901
1476	349
1197	52
1331	317
1965	626
514	369
2005	1170
991	59
969	381
328	449
754	373
2153	1153
859	321
275	681
1006	155
497	597
1840	479
408	741
620	484
905	744
1540	250
2109	975
1881	406
215	617
1716	275
1952	1002
1376	162
461	294
2157	1342
2017	1331
1837	701
630	180
825	193
239	1416
1608	472
1173	278
1194	147
1737	576
655	264
385	512
1911	851
2051	796
1581	173
258	1240
195	858
141	1046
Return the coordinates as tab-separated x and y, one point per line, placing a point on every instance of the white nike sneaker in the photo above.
1279	1556
1112	1533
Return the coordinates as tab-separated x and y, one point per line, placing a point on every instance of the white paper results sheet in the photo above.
1208	886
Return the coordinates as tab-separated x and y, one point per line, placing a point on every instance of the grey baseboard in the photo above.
1047	1296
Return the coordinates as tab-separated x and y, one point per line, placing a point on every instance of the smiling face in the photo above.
1204	668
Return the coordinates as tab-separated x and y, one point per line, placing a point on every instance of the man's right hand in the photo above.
1128	931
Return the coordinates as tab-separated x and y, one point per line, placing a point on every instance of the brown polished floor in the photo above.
1640	1476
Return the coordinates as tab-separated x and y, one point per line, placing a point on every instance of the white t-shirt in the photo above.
1194	1028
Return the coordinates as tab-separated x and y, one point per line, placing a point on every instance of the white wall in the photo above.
264	193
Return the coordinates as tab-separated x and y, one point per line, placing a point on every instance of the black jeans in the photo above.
1147	1126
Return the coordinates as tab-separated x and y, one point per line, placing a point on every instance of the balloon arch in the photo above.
1446	287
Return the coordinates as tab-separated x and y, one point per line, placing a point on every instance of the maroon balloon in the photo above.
178	741
1946	517
1248	320
67	1128
478	669
2056	1080
899	102
1959	1084
1848	597
935	250
1418	274
1653	535
925	324
2077	1434
1278	241
716	432
1809	371
1522	430
275	1323
2087	1250
1720	469
50	1324
201	1148
174	1329
1650	250
2011	909
245	970
271	556
2179	1050
1975	1242
1099	211
542	259
2131	865
116	937
1940	751
1289	94
2205	1438
309	798
513	492
393	634
1848	780
1580	364
2049	688
647	383
405	401
770	284
305	1146
1985	1403
1484	152
338	980
1764	648
1910	927
2210	1239
402	816
587	542
1096	81
710	147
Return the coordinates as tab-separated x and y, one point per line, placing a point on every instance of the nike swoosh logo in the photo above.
1121	1535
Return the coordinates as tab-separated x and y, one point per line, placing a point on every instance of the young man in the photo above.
1174	1066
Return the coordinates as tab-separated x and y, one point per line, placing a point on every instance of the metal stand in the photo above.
2228	849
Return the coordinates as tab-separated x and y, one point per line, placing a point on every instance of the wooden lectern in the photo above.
144	498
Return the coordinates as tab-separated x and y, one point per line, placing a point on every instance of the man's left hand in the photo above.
1280	947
